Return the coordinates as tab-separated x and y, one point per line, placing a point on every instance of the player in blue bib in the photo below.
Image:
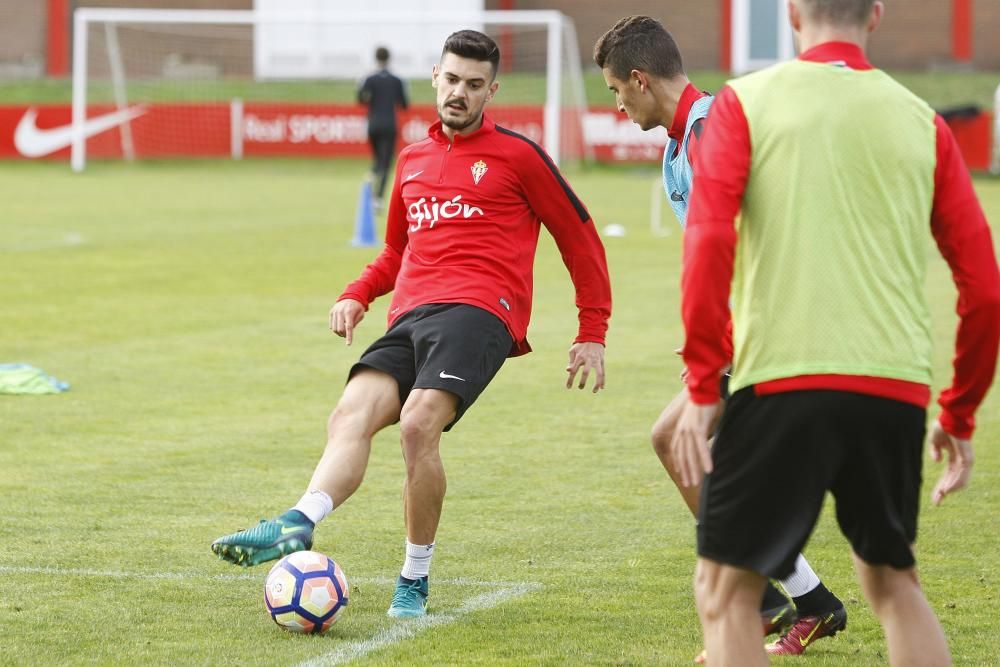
642	66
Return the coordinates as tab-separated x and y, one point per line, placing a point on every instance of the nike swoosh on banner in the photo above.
33	141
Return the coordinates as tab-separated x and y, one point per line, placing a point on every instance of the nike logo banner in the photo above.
33	141
204	129
159	130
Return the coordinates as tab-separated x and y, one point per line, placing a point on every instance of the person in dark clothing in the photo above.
383	93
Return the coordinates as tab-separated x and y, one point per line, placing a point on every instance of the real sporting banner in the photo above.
326	130
164	130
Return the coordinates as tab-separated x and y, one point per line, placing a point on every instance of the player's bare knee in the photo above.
338	419
661	437
369	403
419	432
720	590
426	413
663	430
709	598
344	420
883	584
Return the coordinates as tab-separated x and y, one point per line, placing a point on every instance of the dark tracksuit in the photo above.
382	93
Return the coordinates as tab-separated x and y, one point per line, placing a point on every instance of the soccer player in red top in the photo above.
820	182
466	209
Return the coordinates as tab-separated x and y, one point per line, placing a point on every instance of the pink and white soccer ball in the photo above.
305	592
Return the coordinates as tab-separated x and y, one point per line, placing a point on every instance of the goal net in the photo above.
168	83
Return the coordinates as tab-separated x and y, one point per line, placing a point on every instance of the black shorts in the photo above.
449	346
775	457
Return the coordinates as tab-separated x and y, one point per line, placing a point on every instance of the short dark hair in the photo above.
382	54
638	42
475	45
839	12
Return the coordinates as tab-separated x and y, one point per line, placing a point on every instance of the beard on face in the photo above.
454	123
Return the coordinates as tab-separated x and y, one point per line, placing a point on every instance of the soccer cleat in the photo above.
410	598
807	630
776	620
268	540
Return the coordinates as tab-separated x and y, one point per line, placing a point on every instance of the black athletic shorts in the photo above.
449	346
775	457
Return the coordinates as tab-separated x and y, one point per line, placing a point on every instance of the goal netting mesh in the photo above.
165	83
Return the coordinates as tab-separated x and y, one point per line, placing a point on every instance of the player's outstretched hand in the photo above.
584	358
689	448
344	316
955	476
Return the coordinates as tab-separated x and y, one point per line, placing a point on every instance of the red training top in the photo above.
689	96
957	224
463	227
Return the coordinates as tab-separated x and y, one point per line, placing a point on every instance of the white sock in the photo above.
418	560
802	580
315	505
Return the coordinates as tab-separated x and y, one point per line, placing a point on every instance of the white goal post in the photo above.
111	40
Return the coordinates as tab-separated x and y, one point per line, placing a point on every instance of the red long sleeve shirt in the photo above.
957	224
689	96
463	225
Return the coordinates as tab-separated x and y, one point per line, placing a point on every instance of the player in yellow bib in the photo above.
819	183
642	66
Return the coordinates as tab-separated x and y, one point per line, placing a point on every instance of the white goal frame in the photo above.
557	25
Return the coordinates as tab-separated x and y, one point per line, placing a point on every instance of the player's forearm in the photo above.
378	278
975	359
593	294
593	325
580	246
963	236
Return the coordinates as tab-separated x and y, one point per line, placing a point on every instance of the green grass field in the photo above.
187	304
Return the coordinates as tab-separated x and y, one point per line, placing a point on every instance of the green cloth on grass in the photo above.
25	379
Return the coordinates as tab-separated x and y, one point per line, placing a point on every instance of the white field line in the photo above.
67	241
403	630
242	576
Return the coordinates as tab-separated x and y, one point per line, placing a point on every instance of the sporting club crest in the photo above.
478	171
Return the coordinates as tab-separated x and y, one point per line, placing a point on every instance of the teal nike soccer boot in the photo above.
268	540
410	598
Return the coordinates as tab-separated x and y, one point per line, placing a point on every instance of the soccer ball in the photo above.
305	592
